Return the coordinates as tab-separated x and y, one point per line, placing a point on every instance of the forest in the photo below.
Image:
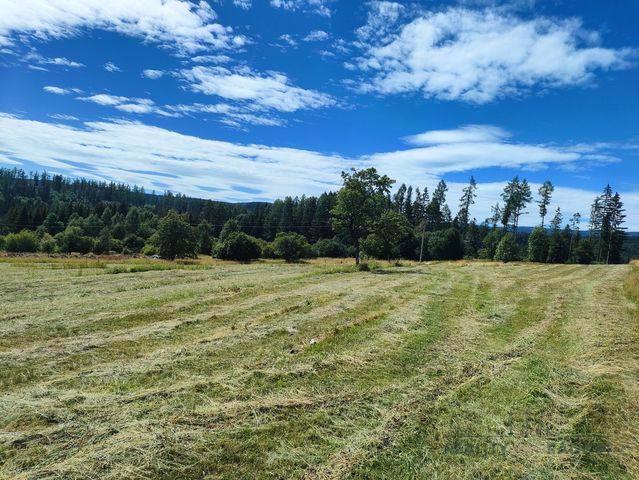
366	218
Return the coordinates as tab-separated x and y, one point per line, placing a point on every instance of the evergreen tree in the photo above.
175	237
545	194
467	199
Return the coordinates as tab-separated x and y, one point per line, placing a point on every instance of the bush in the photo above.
445	245
330	248
267	249
104	242
538	245
2	243
24	241
133	243
507	250
490	243
291	246
150	249
238	246
72	240
48	244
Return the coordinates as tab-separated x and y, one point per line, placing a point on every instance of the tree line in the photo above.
39	212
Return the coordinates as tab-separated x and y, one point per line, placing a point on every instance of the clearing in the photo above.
143	369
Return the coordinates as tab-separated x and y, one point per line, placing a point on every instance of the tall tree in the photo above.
516	196
545	194
467	199
360	202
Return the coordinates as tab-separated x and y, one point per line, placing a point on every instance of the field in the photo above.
138	369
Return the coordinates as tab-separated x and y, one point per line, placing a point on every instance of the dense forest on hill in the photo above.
52	213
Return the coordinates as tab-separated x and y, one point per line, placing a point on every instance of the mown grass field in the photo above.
142	369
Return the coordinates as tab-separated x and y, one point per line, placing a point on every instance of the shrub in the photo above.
72	240
48	244
24	241
490	243
538	245
133	243
238	246
507	249
330	248
445	245
104	242
267	249
2	243
291	246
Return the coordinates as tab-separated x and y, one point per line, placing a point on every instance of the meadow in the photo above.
138	369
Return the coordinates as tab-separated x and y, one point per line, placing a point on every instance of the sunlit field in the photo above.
127	369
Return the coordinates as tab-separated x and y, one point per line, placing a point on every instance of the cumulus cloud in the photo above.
480	55
186	25
267	91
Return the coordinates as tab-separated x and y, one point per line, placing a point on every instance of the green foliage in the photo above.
538	245
491	240
330	248
445	245
291	246
73	240
2	242
388	231
557	248
238	246
103	242
48	244
360	202
231	226
133	243
175	237
266	248
23	241
204	238
583	251
507	249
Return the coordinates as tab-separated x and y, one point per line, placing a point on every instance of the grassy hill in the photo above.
138	369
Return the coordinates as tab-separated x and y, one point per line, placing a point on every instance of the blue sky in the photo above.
246	100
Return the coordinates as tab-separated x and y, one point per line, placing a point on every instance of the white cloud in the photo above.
112	67
243	4
316	36
186	25
152	74
381	20
474	147
105	99
162	159
317	6
58	61
203	168
270	91
478	56
468	133
56	90
62	116
211	59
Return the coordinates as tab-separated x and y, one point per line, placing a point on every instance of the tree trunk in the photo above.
356	251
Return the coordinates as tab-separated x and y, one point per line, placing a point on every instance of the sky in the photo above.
252	100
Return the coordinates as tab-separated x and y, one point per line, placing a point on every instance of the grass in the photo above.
317	370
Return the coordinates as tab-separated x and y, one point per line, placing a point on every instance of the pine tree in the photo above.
467	199
545	194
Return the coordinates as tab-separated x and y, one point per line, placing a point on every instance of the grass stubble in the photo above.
145	370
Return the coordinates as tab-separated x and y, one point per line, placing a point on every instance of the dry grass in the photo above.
316	370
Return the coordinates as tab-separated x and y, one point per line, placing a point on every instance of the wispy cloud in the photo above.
320	7
196	166
112	67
